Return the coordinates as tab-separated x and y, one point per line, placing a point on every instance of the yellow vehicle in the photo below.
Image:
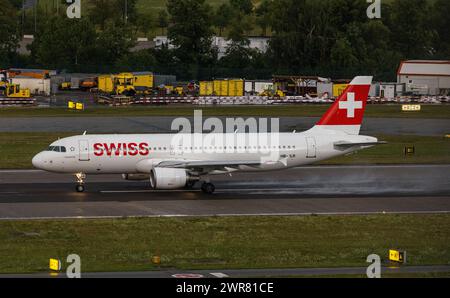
124	84
14	91
179	90
65	86
272	93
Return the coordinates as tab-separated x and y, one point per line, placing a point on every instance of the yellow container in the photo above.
224	88
236	87
143	80
206	88
338	89
217	87
105	83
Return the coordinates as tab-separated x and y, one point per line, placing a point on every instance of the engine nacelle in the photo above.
135	177
166	178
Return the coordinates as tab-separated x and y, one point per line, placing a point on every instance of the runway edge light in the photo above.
397	256
55	264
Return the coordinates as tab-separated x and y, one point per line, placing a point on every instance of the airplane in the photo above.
168	165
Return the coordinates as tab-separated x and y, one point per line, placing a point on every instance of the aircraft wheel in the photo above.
208	188
80	188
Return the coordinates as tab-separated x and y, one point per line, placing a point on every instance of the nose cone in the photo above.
37	161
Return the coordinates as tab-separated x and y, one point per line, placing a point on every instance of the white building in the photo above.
430	77
259	43
36	86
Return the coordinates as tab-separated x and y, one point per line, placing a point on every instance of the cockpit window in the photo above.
57	148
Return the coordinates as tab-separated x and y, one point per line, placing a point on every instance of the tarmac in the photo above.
326	190
389	126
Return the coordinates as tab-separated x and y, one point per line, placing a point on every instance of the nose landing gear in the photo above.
80	182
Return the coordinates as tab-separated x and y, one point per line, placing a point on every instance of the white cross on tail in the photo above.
350	105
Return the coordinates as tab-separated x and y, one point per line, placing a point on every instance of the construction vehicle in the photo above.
272	93
87	84
124	84
14	91
121	84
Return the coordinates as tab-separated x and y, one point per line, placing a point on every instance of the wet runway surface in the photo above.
298	191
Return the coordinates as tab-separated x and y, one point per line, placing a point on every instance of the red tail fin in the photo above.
346	113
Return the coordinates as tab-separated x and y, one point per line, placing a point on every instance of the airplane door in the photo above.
84	150
311	147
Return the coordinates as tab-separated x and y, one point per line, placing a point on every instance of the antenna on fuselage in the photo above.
84	133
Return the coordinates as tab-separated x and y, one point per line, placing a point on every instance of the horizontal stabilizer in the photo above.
346	145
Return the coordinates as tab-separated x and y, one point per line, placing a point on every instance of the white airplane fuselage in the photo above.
83	154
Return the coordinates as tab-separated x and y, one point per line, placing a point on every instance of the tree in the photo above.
441	24
144	23
243	6
139	61
263	15
222	17
190	31
9	37
163	20
411	30
62	42
102	11
114	42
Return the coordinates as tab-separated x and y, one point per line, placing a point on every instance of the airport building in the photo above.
425	77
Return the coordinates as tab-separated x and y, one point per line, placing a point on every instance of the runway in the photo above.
300	191
243	273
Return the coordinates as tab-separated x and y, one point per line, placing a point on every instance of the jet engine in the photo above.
135	177
166	178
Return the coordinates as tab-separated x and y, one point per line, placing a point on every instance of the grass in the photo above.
388	111
428	150
18	148
223	242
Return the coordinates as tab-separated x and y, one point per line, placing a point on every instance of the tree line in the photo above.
310	37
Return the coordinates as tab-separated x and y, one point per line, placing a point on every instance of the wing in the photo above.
216	167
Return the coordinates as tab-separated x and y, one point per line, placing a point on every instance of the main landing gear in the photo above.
208	187
80	182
